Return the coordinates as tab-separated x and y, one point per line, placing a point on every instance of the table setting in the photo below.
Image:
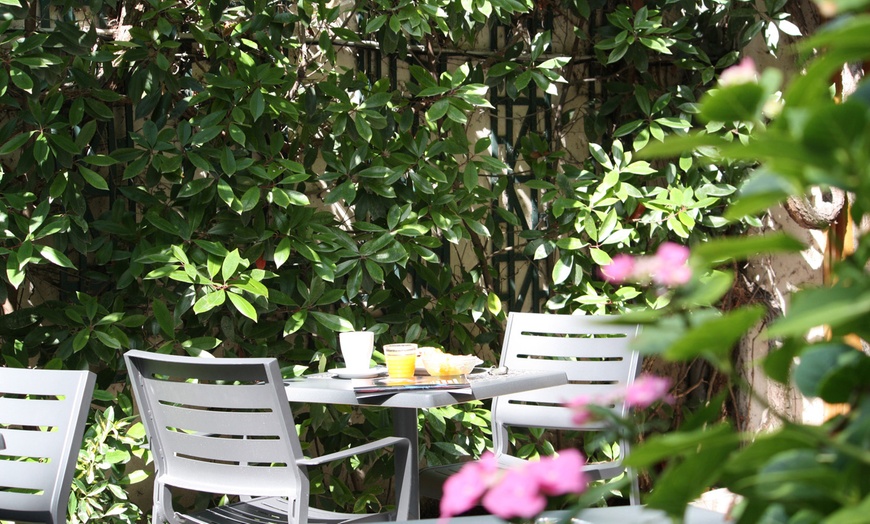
336	385
404	360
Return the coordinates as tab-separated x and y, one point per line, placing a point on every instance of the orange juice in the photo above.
401	360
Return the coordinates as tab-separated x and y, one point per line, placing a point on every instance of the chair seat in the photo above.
265	510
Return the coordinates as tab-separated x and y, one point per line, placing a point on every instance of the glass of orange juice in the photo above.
401	359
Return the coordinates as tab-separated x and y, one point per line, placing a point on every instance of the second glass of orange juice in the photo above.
401	359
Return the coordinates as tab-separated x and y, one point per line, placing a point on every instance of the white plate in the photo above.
364	373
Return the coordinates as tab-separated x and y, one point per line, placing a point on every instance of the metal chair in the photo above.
595	355
224	426
42	421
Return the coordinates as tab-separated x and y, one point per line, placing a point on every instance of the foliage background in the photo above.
817	138
252	177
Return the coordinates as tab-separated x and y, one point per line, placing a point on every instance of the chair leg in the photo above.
634	493
162	508
402	455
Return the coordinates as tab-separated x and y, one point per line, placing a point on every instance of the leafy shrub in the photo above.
103	474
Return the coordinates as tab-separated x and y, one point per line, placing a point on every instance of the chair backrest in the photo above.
218	425
42	420
592	350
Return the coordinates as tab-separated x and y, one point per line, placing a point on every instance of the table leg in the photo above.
405	425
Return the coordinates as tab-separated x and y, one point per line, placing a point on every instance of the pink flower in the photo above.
560	474
672	253
742	73
516	495
580	412
670	276
620	269
668	266
463	490
646	390
520	492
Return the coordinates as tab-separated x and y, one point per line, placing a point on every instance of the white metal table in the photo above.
323	388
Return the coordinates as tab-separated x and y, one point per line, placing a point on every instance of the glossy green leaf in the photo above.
252	286
820	306
363	127
685	480
282	252
195	187
295	322
21	79
663	447
205	135
600	257
798	475
707	290
438	110
230	265
256	104
209	301
297	199
250	198
55	257
716	337
562	269
107	339
741	248
243	306
14	143
93	178
741	102
832	371
40	148
375	24
81	339
60	142
164	318
99	160
332	322
493	303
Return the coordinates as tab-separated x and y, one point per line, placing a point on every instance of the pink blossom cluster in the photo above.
519	492
742	73
668	267
641	394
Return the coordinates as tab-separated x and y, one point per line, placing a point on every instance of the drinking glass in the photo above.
401	359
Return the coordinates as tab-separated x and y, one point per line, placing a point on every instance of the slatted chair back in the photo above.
593	351
42	421
218	425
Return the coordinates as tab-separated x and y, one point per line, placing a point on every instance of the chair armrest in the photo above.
406	467
356	450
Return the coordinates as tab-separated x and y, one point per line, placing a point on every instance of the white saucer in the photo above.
363	373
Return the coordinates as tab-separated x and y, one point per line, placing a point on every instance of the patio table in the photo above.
324	388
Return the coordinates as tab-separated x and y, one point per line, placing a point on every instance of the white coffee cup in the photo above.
356	348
